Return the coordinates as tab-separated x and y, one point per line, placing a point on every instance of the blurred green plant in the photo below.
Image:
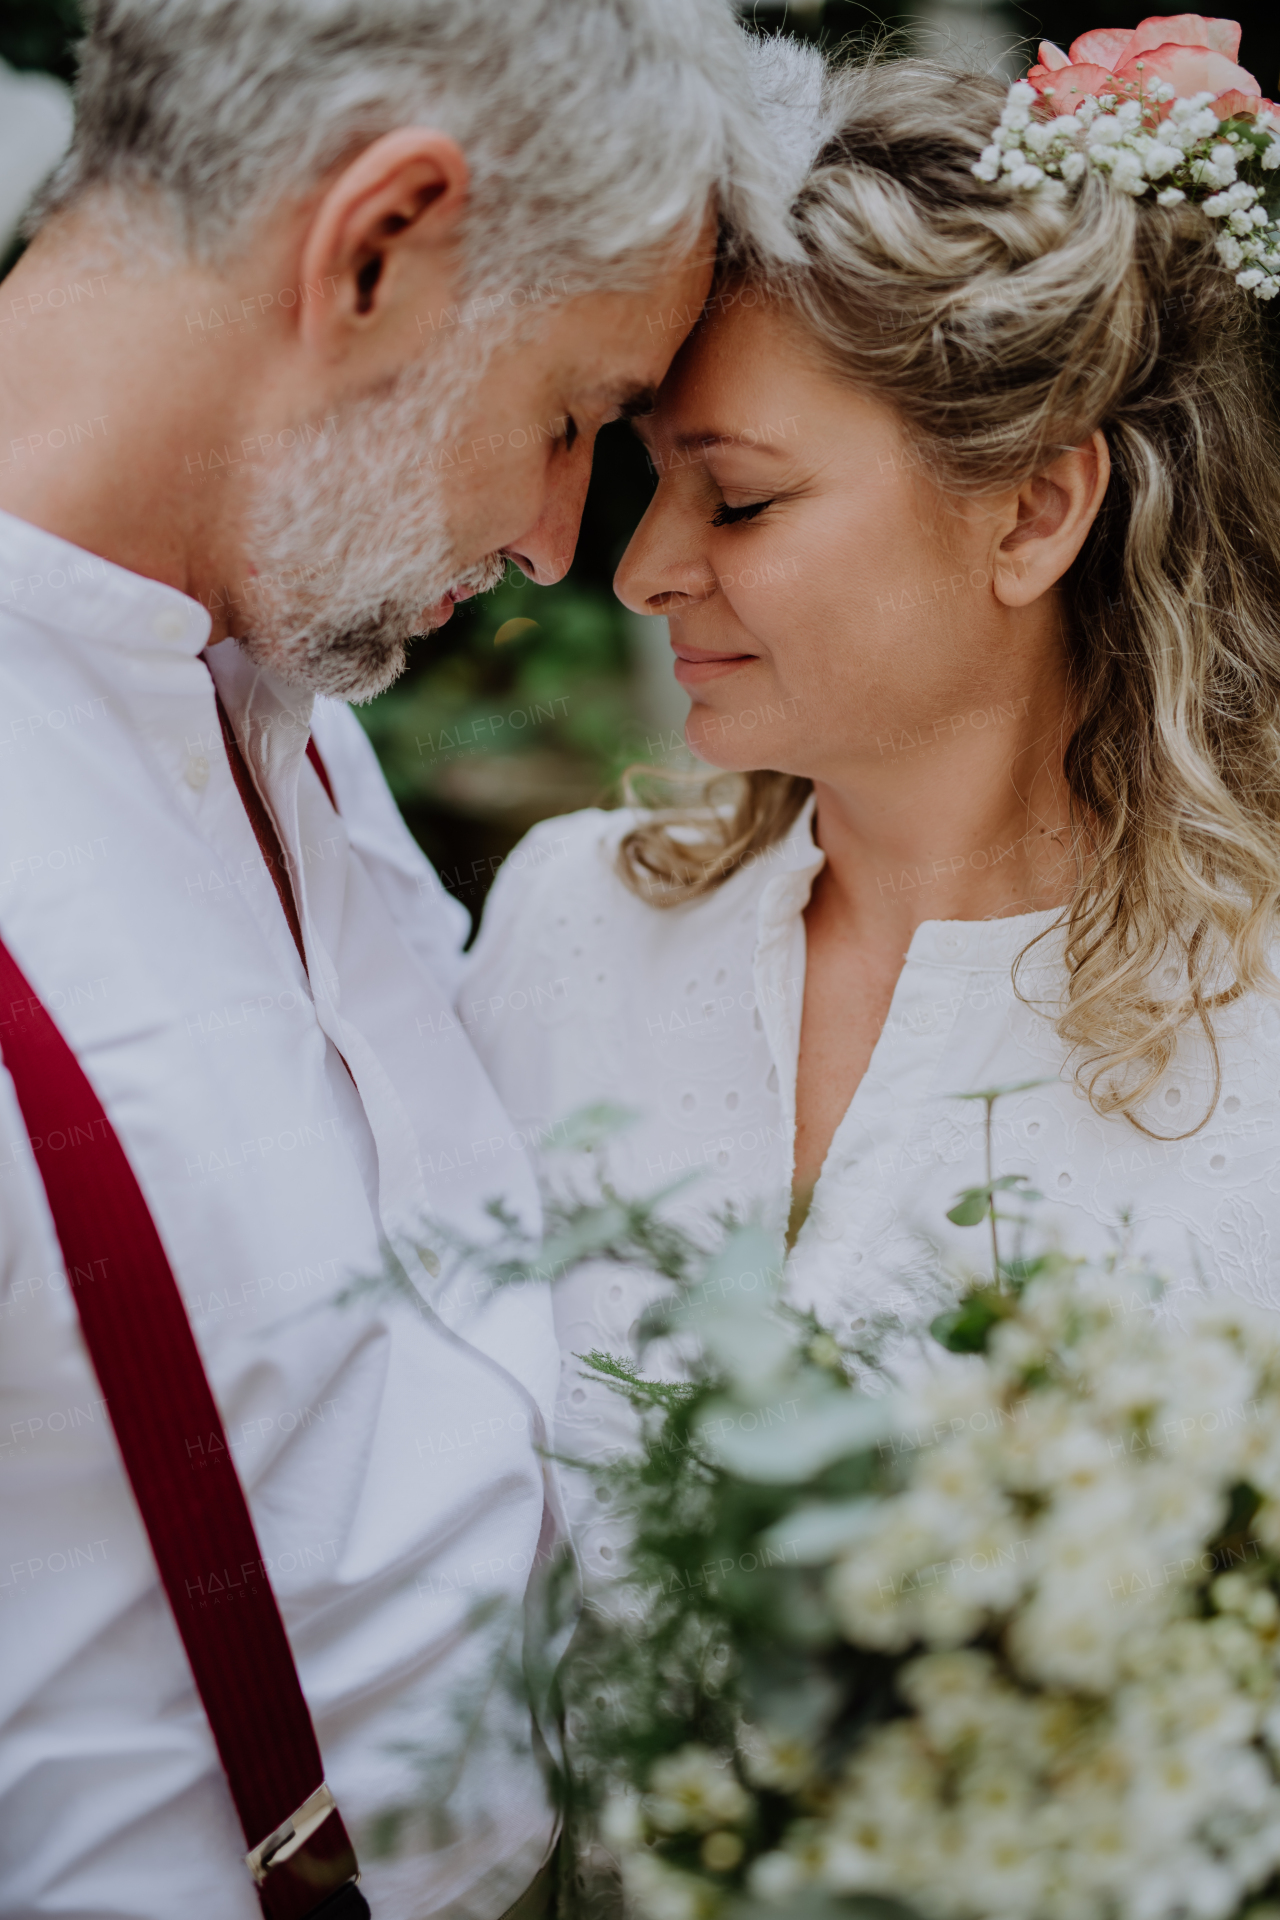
522	706
41	34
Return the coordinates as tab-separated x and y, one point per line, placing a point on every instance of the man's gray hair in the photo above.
595	130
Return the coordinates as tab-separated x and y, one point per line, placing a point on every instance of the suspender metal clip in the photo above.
291	1834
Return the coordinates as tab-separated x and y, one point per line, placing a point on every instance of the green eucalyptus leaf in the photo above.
998	1093
966	1328
589	1126
813	1536
971	1207
788	1441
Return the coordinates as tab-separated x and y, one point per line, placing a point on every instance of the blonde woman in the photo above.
968	535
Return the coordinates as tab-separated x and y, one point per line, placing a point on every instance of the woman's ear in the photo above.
1052	514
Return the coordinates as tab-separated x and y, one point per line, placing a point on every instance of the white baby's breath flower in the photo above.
951	1692
1113	1754
1159	159
1128	176
775	1878
771	1758
621	1821
1066	1638
694	1790
1105	131
659	1892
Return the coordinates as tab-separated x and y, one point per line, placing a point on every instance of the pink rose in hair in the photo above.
1191	54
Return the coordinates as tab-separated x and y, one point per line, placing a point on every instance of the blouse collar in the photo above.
795	861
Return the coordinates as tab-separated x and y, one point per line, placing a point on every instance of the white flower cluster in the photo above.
1084	1602
1188	152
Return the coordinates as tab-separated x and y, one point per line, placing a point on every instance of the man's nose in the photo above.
545	551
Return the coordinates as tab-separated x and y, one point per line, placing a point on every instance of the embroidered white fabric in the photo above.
578	991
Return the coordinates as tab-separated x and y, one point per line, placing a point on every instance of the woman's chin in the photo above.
717	739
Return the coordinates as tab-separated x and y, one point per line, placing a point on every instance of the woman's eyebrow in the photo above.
749	439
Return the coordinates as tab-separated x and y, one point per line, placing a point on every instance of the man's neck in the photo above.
111	402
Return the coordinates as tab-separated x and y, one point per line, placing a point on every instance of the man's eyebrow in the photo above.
637	402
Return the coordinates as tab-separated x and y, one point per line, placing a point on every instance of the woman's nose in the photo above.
662	568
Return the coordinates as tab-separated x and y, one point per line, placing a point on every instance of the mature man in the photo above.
324	312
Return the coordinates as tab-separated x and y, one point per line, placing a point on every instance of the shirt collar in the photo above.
62	587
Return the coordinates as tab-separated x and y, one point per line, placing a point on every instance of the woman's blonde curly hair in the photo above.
1005	327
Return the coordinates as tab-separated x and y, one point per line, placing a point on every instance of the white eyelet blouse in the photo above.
578	991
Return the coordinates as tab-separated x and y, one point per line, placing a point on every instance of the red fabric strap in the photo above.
174	1448
313	755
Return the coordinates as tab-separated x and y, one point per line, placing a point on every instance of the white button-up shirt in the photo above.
577	992
389	1450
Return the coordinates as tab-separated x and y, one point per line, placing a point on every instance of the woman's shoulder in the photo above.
562	872
568	856
562	892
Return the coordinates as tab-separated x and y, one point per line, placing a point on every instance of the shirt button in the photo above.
196	771
169	624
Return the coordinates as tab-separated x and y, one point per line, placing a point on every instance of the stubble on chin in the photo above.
349	543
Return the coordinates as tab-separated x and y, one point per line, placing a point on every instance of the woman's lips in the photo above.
696	664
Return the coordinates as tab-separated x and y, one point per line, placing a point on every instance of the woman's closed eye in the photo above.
727	516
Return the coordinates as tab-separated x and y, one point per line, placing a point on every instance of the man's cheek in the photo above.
483	514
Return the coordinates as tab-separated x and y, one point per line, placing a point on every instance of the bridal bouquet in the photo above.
1002	1642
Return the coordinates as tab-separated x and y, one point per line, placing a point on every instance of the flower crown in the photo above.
1163	108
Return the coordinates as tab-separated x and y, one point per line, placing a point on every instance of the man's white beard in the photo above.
348	536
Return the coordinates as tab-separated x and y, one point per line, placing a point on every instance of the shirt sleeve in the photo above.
432	923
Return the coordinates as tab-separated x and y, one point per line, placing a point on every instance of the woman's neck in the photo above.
967	819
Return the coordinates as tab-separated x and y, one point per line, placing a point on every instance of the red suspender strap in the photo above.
175	1452
313	755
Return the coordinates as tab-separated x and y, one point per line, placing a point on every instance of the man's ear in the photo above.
375	229
1051	517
